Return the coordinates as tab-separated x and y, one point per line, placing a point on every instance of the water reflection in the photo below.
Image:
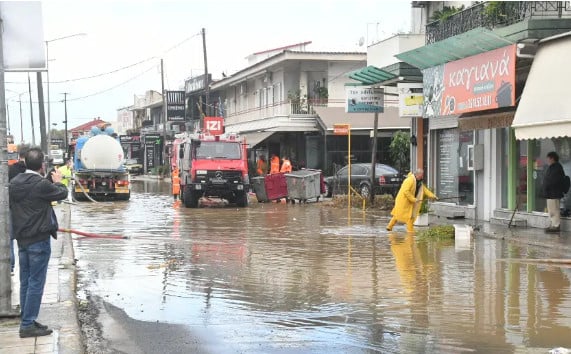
317	278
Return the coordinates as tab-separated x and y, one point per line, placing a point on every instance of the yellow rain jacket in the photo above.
406	206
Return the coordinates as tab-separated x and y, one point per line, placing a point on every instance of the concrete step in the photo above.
505	221
452	214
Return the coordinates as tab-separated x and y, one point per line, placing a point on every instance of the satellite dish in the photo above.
361	41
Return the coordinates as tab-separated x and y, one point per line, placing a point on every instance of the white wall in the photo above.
337	77
383	53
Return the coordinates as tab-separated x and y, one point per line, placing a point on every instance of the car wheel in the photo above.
328	191
365	191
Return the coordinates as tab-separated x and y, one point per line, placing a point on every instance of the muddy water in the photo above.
307	278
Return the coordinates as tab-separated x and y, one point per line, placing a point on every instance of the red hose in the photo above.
88	234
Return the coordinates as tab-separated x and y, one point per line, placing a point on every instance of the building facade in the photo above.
476	66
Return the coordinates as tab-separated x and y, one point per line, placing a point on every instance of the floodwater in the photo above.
309	278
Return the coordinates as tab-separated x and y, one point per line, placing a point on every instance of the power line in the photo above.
118	69
114	87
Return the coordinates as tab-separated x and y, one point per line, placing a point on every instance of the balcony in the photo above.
281	109
501	14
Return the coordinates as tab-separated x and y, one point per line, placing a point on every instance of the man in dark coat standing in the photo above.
13	171
34	222
553	190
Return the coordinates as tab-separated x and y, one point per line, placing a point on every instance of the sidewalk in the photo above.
559	242
59	304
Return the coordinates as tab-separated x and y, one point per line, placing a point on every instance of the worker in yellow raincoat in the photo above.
408	200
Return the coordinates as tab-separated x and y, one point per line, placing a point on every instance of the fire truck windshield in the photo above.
218	150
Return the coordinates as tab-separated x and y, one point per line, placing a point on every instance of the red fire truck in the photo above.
211	166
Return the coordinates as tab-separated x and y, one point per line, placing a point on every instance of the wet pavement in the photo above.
306	278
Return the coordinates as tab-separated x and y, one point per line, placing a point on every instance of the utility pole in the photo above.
21	121
5	281
206	80
43	142
65	121
8	120
164	113
31	110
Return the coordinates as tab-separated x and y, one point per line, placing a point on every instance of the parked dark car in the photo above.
387	180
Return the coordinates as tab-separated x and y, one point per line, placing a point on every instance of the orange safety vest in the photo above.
262	167
286	166
175	183
275	167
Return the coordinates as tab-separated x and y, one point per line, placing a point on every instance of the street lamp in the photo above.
48	78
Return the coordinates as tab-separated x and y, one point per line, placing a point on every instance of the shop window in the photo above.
541	148
453	179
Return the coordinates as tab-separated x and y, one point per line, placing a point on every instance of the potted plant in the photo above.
422	218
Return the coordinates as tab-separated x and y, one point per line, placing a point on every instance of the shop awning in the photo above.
544	109
467	44
498	118
371	75
254	138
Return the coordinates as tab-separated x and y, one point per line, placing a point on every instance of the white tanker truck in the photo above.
99	168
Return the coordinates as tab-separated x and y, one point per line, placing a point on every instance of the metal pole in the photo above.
374	157
164	113
42	113
65	121
206	80
48	89
5	281
31	110
9	132
21	121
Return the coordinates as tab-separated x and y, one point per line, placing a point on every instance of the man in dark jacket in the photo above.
553	190
33	222
13	171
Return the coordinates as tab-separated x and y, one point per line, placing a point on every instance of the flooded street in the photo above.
306	278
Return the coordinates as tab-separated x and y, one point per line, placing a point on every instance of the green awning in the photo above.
371	75
467	44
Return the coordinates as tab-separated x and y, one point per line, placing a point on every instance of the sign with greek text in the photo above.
364	99
410	100
477	83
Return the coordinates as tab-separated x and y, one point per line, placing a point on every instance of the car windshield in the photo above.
218	150
385	170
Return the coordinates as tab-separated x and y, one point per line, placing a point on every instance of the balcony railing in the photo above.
494	15
285	108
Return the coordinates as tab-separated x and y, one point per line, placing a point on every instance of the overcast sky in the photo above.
121	33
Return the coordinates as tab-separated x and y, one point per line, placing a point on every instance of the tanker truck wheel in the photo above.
190	198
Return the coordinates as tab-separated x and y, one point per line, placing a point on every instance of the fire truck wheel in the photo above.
190	198
242	199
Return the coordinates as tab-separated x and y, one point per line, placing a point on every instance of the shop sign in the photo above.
410	100
341	129
477	83
175	106
130	139
364	99
196	83
152	139
214	125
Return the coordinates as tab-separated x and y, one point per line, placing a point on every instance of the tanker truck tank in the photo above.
102	152
99	169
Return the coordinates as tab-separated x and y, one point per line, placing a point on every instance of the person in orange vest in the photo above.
275	165
286	165
262	169
175	183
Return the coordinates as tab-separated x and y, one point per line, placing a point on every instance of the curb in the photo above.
70	337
